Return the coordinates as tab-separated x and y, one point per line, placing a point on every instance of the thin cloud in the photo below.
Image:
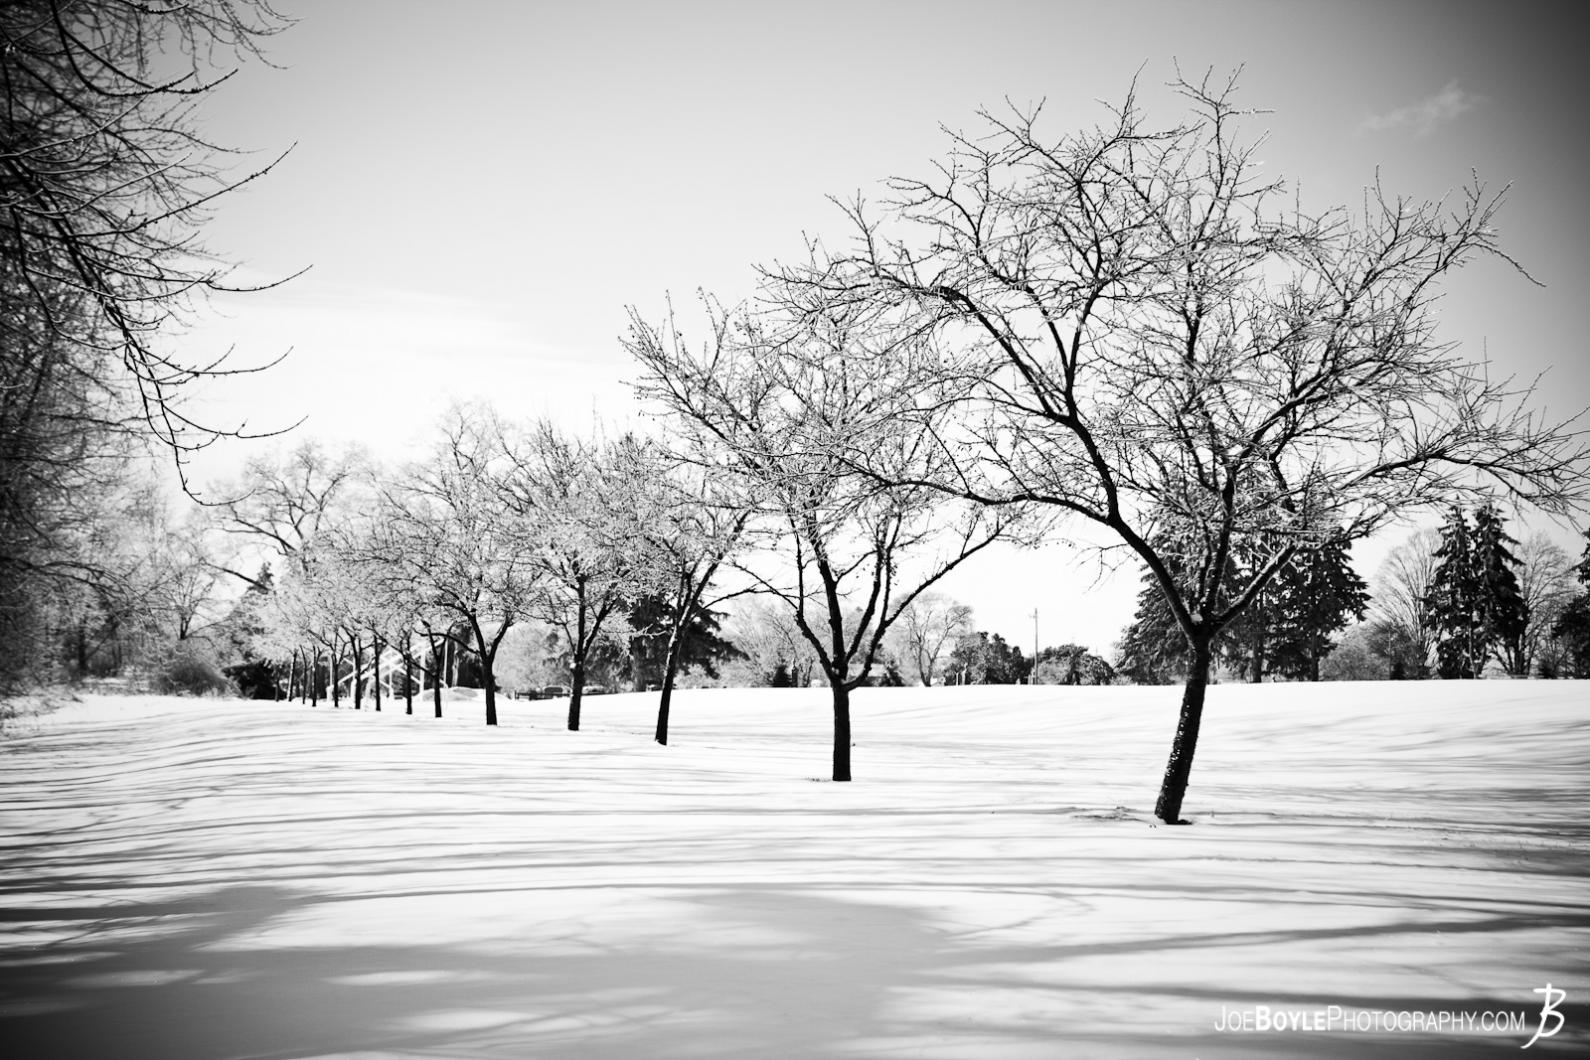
1427	115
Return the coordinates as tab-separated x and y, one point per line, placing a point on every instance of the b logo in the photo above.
1548	1007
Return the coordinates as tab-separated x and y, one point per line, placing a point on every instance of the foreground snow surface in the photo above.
207	879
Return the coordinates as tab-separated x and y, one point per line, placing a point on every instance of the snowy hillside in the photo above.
199	879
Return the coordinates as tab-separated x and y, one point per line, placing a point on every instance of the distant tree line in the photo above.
1450	603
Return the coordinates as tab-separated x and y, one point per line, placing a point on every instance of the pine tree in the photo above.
254	675
1504	612
1454	602
1153	650
1573	625
1286	630
1314	597
701	641
1475	604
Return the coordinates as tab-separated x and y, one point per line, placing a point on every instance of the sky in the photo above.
480	189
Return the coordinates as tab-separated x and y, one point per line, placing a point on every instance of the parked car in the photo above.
555	691
593	690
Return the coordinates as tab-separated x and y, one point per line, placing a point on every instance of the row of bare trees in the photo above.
502	524
506	523
1129	325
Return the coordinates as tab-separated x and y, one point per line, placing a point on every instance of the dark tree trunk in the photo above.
375	651
358	673
578	679
314	677
670	671
1178	771
332	666
488	658
841	732
408	676
435	672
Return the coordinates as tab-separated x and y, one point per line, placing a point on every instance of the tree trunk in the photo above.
670	670
408	676
436	675
841	731
314	678
358	673
578	679
488	656
1178	771
332	666
376	659
1260	643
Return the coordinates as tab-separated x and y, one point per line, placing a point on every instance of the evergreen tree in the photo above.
1286	630
1316	595
1475	604
1153	650
1506	616
254	675
1460	645
1573	625
701	641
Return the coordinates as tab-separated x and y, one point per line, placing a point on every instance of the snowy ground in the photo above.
200	879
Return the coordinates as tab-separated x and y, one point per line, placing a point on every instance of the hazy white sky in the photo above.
482	187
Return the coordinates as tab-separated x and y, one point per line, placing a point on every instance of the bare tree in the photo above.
1152	337
778	401
1399	607
282	500
106	183
928	630
1546	584
463	546
691	522
767	636
580	499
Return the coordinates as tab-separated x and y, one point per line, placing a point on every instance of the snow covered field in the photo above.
200	879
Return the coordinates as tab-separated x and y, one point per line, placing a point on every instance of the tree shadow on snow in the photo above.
735	973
